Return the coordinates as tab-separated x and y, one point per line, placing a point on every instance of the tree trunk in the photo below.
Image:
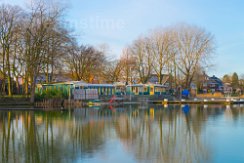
32	98
160	78
9	74
9	86
4	74
47	74
17	85
26	84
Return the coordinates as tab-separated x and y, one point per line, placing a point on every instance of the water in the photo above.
127	134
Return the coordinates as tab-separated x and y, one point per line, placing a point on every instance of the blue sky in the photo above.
118	23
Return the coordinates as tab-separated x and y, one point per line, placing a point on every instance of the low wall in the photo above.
14	102
58	103
137	97
63	103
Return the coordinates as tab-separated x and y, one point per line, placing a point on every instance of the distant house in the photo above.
212	84
154	79
41	78
228	88
62	78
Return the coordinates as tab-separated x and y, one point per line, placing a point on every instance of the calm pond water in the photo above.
127	134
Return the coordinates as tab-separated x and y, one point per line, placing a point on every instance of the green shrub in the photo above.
51	94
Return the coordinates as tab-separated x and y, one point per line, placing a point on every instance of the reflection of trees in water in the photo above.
233	113
5	136
87	138
171	137
27	137
12	143
155	135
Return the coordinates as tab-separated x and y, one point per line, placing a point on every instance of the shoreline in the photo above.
18	105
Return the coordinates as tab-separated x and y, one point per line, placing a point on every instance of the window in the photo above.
145	89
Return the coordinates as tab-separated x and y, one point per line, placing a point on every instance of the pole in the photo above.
131	83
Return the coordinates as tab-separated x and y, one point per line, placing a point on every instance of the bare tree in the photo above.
56	48
40	22
128	63
194	48
85	62
159	47
139	51
9	17
113	70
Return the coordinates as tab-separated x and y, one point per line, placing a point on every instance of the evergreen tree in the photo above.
235	81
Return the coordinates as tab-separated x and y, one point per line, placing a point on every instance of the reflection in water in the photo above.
156	134
172	136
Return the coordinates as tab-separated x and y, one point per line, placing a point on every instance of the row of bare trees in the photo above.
181	51
32	41
35	41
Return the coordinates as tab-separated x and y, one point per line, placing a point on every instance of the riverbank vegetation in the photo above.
51	94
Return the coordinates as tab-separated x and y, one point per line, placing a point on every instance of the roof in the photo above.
68	83
88	84
142	85
216	80
78	83
119	84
